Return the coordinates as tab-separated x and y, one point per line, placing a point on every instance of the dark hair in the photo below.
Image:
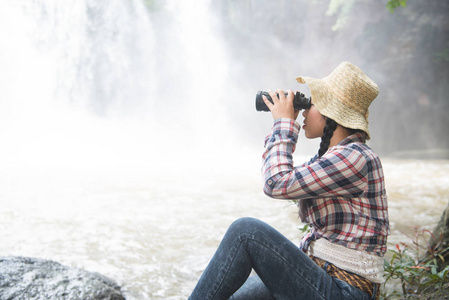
328	132
354	131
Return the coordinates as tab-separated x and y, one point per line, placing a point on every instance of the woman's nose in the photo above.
304	113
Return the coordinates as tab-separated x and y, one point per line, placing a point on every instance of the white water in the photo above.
155	234
108	166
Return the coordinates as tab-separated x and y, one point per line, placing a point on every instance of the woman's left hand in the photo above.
281	107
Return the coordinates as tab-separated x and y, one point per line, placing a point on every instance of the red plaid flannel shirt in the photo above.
342	193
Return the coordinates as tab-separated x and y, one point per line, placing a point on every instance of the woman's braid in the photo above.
328	132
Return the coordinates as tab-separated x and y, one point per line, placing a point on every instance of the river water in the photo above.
120	163
154	232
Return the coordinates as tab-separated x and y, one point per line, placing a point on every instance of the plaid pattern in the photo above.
341	195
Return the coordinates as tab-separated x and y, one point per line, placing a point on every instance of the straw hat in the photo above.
344	96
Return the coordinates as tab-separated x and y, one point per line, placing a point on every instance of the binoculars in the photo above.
299	102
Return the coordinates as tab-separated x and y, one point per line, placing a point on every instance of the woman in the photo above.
340	194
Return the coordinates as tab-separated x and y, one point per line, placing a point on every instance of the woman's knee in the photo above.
246	225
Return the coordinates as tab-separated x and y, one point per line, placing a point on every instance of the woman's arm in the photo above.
340	172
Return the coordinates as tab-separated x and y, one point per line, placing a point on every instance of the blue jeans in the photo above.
284	271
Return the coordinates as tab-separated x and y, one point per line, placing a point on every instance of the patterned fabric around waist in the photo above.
353	279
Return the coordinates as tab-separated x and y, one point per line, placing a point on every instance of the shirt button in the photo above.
270	182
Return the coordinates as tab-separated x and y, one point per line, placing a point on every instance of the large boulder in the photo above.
33	278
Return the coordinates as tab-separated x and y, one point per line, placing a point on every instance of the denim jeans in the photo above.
284	271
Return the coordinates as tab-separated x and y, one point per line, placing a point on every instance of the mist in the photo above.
405	52
122	83
107	85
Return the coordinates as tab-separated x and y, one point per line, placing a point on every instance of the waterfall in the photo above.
92	82
88	53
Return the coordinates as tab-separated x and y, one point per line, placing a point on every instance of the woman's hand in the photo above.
281	107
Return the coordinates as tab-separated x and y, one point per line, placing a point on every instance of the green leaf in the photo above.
434	270
393	4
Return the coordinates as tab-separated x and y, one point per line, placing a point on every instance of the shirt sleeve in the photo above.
342	171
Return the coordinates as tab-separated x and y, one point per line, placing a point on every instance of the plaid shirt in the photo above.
341	194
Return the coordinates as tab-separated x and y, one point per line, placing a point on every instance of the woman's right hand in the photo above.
282	106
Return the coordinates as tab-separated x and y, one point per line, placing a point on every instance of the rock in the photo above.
441	293
441	235
33	278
